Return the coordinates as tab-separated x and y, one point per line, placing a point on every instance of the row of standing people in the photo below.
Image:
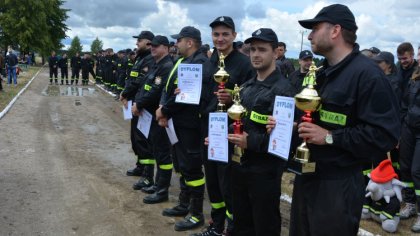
245	192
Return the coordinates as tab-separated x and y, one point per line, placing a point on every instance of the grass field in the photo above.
10	91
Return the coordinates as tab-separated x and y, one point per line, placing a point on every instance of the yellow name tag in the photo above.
332	117
259	118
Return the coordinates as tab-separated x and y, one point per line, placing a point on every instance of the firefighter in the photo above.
148	99
53	64
121	72
358	120
63	64
135	80
86	66
186	122
75	64
239	67
98	67
256	176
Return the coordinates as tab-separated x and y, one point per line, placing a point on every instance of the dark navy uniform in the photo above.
63	64
76	65
360	110
239	67
53	64
256	180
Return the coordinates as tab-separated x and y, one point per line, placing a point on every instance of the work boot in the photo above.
142	183
408	211
158	197
416	226
189	222
150	190
182	208
210	231
56	81
137	171
195	220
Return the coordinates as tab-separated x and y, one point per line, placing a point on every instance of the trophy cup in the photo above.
308	101
221	77
236	112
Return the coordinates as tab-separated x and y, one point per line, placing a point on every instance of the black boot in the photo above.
150	190
159	196
147	179
137	171
210	231
184	202
56	81
51	81
195	220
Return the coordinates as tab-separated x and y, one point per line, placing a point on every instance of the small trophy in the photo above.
221	77
236	112
308	101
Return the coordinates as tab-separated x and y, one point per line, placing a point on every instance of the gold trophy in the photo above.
221	77
308	101
236	112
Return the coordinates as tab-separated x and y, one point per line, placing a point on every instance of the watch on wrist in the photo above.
329	138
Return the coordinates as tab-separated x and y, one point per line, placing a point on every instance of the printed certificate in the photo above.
218	134
190	77
281	135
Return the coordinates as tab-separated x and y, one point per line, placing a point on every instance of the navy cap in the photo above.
384	56
305	54
374	50
188	32
264	34
223	20
160	40
145	35
334	14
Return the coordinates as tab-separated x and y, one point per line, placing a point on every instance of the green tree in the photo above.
96	45
75	46
33	25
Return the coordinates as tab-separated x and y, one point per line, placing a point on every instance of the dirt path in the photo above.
62	167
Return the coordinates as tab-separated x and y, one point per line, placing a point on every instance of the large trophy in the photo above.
236	112
308	101
221	77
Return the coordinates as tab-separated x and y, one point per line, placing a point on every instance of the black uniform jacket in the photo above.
360	108
258	99
184	115
75	62
63	63
410	103
135	79
148	96
53	62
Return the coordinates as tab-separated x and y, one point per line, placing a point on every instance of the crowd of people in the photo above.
370	112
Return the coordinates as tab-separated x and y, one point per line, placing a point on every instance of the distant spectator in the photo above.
11	66
205	49
244	49
418	54
1	70
374	50
366	52
385	61
286	67
28	60
407	64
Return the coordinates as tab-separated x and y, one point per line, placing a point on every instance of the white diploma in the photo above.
281	135
190	77
218	134
127	111
170	130
145	122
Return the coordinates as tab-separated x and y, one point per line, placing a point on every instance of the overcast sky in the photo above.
382	23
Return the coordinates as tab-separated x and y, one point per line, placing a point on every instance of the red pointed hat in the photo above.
384	172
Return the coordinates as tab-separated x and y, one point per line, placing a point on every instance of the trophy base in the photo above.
237	154
300	168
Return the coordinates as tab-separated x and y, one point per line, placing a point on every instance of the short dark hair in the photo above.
405	47
281	44
349	36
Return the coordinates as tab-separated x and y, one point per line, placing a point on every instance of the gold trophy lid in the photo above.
308	99
236	111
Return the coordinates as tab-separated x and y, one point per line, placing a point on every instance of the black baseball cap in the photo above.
223	20
264	34
374	50
384	56
305	54
145	35
188	32
160	40
334	14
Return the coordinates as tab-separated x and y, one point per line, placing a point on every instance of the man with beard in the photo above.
135	80
357	123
